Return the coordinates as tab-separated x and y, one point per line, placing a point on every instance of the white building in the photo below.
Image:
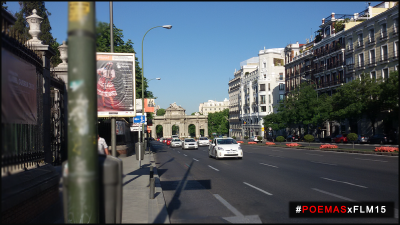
262	86
213	106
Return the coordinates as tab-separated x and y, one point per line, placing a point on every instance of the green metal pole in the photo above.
113	120
83	173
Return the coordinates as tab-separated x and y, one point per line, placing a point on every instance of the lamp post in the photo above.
166	27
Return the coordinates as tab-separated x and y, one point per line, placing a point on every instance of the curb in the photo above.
157	207
341	150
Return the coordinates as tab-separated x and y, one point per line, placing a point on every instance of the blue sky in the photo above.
208	40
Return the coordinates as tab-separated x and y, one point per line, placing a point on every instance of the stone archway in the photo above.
175	115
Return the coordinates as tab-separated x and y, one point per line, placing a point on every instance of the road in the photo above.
258	188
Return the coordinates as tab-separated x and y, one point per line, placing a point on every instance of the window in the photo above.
269	98
360	40
281	97
281	87
361	60
371	36
280	76
269	86
262	99
372	56
373	75
262	87
384	53
265	65
396	49
265	76
383	31
350	46
349	61
263	108
385	73
270	108
327	31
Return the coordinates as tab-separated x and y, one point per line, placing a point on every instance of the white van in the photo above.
175	136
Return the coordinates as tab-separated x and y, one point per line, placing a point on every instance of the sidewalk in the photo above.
137	207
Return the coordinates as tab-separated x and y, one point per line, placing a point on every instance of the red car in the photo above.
340	138
169	141
164	140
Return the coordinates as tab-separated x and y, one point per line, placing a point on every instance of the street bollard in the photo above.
151	173
152	187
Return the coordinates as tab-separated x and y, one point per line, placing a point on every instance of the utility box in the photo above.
142	150
110	189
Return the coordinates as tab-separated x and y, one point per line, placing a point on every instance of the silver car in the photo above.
203	141
190	143
176	142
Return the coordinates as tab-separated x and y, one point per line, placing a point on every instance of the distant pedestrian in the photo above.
102	146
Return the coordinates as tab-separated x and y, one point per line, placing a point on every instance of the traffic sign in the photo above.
139	119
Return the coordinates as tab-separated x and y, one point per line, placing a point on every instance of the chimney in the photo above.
355	16
333	16
323	20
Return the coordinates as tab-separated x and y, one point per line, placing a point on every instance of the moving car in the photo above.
169	141
174	136
189	143
225	148
203	141
176	142
362	138
378	138
341	138
254	138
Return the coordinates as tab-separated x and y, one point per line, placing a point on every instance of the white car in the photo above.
225	148
189	143
203	141
176	142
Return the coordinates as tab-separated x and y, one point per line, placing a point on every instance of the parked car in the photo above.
341	138
169	141
362	138
165	140
203	141
189	143
176	142
225	148
254	139
378	138
161	140
291	138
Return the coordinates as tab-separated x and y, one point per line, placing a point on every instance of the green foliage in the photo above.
3	6
159	131
161	112
246	137
280	139
192	130
218	122
234	137
21	27
352	137
309	138
259	138
175	130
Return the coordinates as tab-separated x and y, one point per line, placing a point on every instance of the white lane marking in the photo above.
179	152
257	188
195	159
269	165
313	154
184	155
238	218
371	160
229	206
343	182
213	168
324	163
334	195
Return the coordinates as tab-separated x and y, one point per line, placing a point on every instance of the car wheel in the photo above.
209	156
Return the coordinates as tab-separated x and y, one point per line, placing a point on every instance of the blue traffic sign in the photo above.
139	119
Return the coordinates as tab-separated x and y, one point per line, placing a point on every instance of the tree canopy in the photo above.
218	122
161	112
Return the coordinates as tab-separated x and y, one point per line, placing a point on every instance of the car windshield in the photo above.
203	138
226	141
176	139
190	140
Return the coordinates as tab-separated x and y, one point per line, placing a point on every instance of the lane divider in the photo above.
324	163
269	165
213	168
344	182
195	159
257	188
334	195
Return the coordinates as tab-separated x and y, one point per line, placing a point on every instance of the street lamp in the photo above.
166	27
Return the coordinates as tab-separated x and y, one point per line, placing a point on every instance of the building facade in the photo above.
213	106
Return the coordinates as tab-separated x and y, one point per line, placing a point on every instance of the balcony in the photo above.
372	62
371	42
384	59
350	49
360	45
329	83
360	66
383	36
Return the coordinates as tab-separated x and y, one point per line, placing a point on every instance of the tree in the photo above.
159	130
21	27
218	122
390	99
175	130
103	44
192	130
161	112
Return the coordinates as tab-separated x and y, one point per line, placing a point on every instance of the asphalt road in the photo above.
258	188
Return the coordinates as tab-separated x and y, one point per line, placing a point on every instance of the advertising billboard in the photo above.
149	105
116	92
18	90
